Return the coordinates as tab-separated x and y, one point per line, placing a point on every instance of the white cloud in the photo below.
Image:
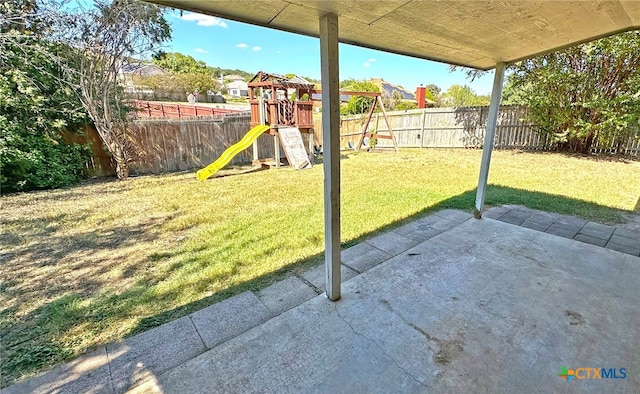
256	48
371	60
242	45
203	20
200	50
367	64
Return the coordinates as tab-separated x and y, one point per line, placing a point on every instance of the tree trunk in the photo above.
120	155
122	169
588	142
115	139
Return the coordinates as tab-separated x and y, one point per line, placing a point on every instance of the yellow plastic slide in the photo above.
231	151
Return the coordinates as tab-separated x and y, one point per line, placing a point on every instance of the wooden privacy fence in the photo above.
162	110
165	145
448	128
461	128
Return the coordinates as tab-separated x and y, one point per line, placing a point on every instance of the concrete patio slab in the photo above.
316	275
286	294
535	225
425	228
561	231
598	230
622	237
620	240
363	256
392	242
233	316
520	214
590	239
152	352
623	248
495	213
89	373
484	307
571	222
513	219
627	233
455	215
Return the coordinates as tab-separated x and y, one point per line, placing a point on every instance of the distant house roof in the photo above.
142	69
237	85
233	77
294	82
388	88
318	96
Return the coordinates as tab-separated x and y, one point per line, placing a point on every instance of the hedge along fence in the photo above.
461	128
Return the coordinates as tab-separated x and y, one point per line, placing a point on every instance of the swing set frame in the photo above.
365	129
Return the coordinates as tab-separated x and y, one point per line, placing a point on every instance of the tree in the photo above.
514	93
432	93
434	89
99	40
217	72
463	96
179	83
177	63
359	104
34	107
583	94
405	105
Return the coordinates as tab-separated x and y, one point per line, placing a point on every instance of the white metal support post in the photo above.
489	136
331	148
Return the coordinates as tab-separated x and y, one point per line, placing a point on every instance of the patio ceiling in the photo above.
476	34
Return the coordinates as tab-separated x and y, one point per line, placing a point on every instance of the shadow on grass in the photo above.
496	195
609	157
71	313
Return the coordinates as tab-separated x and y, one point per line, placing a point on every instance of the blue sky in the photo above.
228	44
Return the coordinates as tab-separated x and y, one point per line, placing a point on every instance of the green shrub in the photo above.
34	110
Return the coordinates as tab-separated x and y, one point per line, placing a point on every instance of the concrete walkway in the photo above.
623	238
443	304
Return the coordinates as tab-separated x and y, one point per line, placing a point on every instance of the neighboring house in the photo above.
388	89
228	79
137	69
238	88
233	78
141	70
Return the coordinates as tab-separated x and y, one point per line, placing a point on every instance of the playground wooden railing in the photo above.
151	109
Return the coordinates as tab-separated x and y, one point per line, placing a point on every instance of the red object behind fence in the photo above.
420	96
162	110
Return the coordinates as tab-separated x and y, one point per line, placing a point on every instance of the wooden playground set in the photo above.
283	108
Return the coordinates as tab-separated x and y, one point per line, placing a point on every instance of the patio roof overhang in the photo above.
479	34
476	34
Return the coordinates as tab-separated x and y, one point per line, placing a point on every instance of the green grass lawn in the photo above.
91	264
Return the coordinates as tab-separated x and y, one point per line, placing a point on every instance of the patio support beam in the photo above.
489	136
331	151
